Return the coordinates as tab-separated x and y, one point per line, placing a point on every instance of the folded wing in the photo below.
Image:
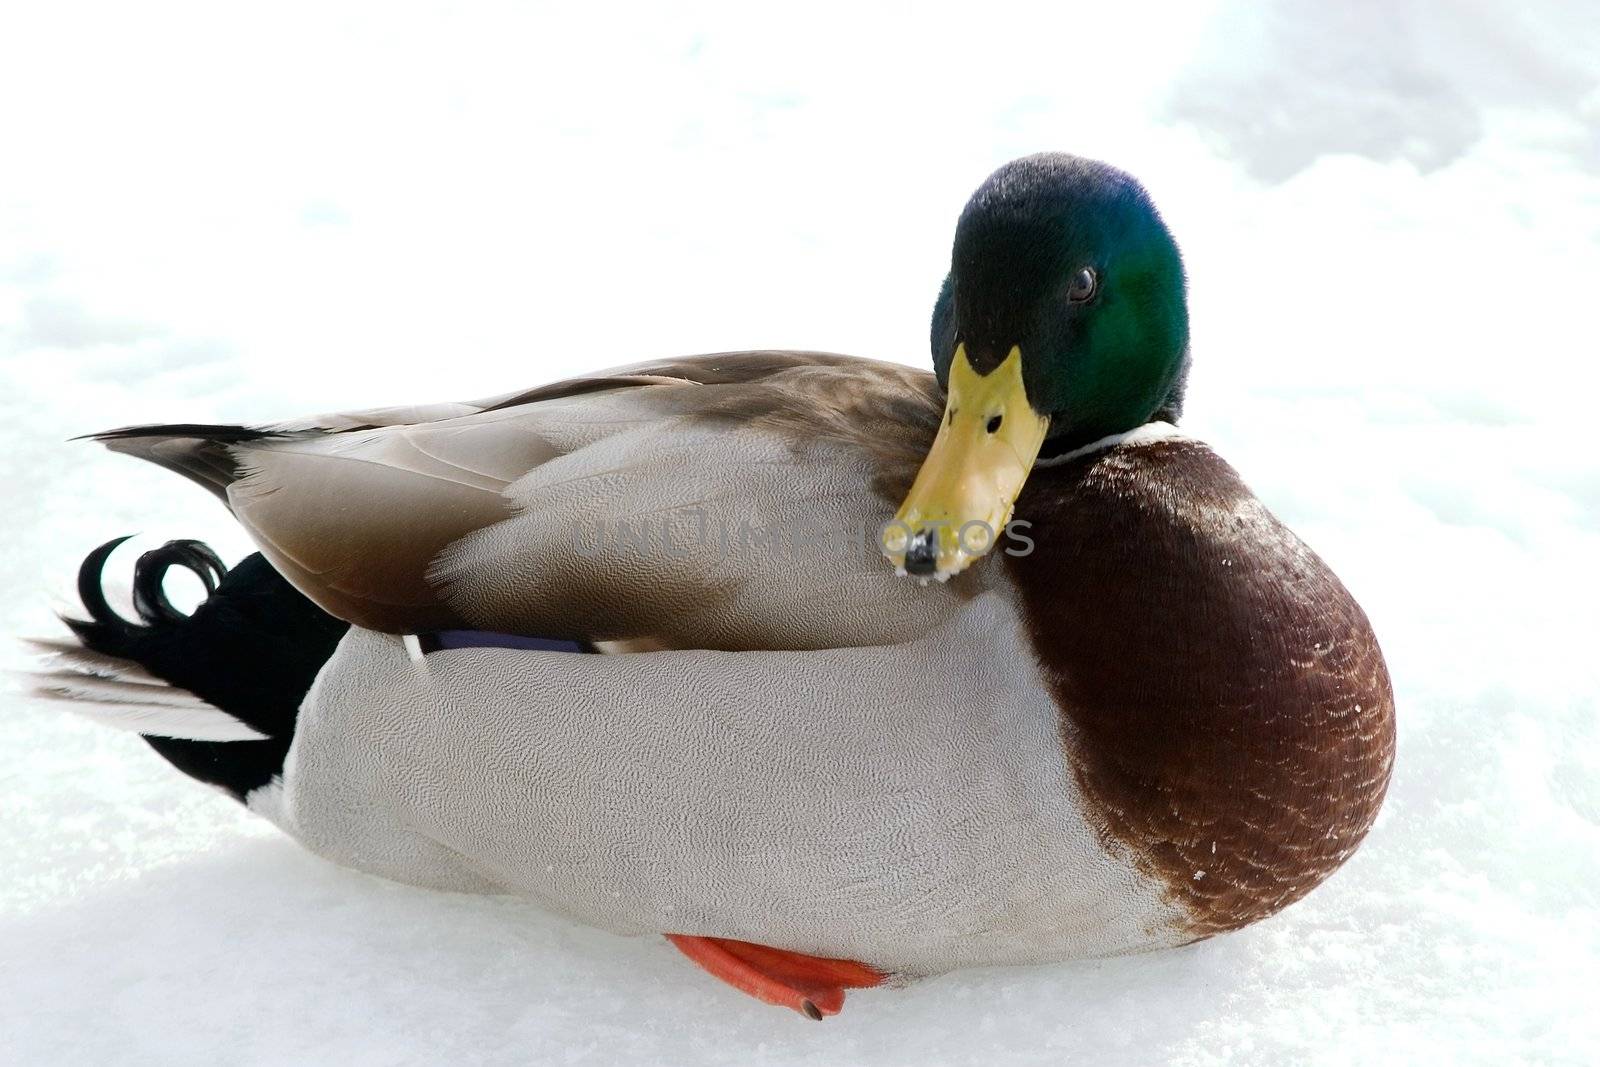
725	501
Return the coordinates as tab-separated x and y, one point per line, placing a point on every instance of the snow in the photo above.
1391	219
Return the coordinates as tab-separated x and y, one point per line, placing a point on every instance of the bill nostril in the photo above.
922	554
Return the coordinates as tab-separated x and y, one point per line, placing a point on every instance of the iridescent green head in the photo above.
1067	260
1063	321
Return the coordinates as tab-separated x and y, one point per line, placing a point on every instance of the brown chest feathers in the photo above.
1225	706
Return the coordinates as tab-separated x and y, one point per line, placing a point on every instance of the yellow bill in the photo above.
962	499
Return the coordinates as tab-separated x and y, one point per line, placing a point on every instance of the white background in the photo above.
1391	219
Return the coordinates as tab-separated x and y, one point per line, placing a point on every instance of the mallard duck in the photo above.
898	672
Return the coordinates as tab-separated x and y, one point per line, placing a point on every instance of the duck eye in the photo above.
1082	286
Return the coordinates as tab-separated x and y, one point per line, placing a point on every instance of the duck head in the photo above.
1062	322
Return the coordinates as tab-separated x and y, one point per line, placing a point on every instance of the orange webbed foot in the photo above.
812	985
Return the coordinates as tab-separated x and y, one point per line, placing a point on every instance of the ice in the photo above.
1391	220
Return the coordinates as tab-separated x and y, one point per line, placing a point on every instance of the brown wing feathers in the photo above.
356	510
198	451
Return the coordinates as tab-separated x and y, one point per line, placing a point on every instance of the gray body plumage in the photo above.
880	803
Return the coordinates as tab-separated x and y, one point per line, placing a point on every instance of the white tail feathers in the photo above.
67	656
122	694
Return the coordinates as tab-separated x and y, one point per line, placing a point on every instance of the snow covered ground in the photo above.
1391	216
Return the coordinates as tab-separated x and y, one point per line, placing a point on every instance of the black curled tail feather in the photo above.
109	633
104	626
150	573
252	648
